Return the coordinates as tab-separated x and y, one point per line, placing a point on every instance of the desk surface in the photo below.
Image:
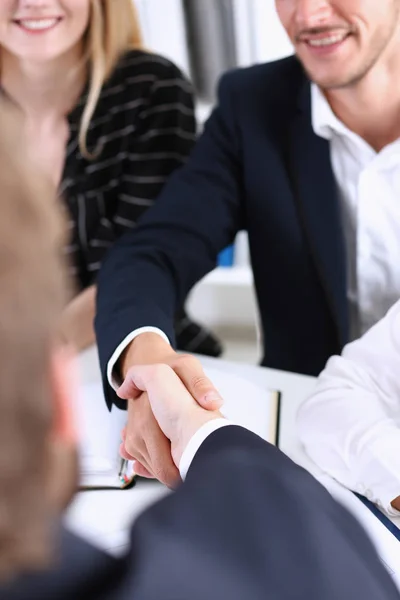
104	517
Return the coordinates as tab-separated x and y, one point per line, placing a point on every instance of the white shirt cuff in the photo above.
196	441
377	471
113	380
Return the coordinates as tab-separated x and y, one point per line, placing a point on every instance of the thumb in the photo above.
190	372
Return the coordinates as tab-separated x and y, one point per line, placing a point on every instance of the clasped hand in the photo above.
167	404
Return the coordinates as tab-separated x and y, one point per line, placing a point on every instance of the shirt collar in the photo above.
325	123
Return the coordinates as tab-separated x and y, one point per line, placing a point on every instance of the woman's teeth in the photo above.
38	24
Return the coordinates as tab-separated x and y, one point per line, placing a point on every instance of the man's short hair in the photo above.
32	295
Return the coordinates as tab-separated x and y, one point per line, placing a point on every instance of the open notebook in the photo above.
246	404
100	437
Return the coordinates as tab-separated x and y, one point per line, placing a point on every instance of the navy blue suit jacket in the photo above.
258	166
247	524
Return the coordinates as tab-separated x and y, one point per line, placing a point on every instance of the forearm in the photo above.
349	424
77	327
135	291
149	272
148	348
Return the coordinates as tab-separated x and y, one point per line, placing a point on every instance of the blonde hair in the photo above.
33	293
113	30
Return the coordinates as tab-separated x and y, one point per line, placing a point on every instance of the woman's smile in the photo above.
38	25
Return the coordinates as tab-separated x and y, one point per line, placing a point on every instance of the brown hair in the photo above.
113	30
32	294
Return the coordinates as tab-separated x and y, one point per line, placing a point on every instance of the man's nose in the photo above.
313	13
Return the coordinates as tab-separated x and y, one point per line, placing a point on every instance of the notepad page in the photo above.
99	434
246	403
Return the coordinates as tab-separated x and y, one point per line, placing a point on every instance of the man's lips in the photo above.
324	39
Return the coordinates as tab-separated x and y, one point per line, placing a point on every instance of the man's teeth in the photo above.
327	41
39	24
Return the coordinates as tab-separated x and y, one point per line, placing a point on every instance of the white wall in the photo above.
259	33
164	29
272	42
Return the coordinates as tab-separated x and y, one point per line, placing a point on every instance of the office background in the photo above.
205	38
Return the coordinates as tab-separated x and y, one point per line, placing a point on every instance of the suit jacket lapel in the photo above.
316	196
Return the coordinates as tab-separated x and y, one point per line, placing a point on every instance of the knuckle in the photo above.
162	473
187	361
159	473
133	443
199	382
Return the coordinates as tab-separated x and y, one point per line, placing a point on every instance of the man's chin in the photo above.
332	79
331	82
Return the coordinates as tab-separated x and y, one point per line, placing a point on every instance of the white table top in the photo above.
104	517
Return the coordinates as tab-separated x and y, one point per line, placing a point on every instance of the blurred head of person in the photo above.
38	457
340	41
77	34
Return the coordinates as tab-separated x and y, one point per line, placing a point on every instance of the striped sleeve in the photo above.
164	137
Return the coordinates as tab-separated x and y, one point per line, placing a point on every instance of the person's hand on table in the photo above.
76	327
396	503
143	439
176	412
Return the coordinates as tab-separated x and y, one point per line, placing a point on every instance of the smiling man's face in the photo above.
339	41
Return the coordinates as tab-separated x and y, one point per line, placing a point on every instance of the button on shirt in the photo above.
369	190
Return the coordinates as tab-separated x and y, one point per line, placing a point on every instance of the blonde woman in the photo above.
106	120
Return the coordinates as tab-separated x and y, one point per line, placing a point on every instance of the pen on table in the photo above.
122	466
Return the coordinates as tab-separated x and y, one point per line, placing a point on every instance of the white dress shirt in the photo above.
369	190
350	426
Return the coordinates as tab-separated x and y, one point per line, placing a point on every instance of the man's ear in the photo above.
64	388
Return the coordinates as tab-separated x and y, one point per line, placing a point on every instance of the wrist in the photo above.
186	427
146	348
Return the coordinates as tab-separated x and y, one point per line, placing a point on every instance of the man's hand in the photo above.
396	503
143	439
174	408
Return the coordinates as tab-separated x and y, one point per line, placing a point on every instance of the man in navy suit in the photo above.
303	153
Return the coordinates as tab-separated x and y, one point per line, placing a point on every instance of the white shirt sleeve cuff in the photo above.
112	378
196	441
378	470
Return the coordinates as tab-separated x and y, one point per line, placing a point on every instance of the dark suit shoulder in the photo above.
79	571
284	75
273	86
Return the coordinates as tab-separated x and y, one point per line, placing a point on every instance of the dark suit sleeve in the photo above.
149	271
250	524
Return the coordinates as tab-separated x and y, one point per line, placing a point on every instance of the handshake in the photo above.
168	402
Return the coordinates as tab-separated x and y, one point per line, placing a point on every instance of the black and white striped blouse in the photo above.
144	128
